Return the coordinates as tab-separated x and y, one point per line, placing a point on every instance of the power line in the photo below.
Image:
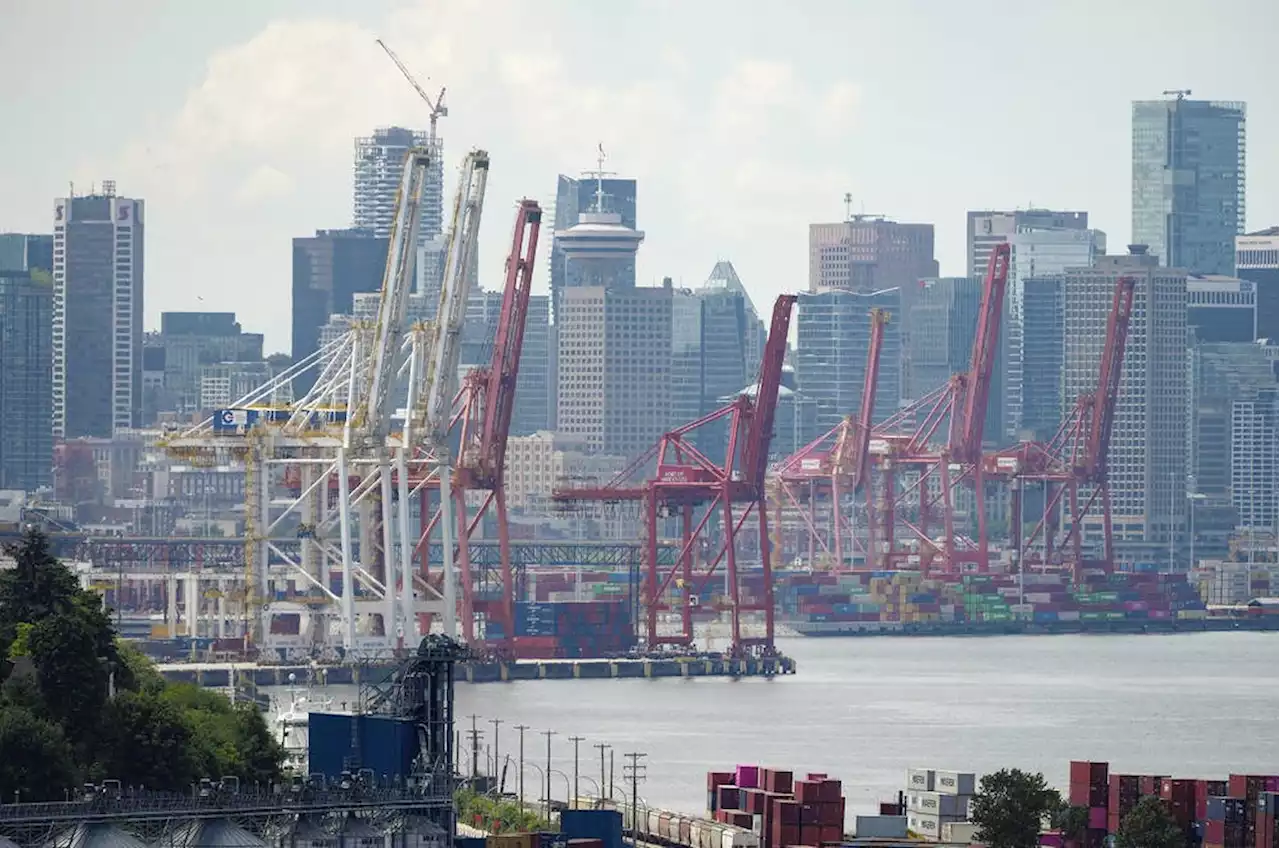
636	772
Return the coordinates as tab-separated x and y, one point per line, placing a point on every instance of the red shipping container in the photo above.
808	791
1215	832
781	835
1078	793
832	833
786	812
1098	818
742	820
776	780
810	814
719	778
1088	772
890	808
831	791
832	814
815	776
727	798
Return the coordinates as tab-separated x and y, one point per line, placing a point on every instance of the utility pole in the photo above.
604	788
496	773
521	728
635	771
610	772
475	747
575	740
548	734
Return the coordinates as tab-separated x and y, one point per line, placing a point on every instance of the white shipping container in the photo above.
964	832
1069	615
938	803
880	827
1022	609
652	818
930	827
919	780
955	782
1038	597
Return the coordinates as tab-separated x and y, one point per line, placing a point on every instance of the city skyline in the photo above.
808	129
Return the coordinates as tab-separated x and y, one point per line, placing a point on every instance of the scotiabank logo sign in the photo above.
124	213
674	474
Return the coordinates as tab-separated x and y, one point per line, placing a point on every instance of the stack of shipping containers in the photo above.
573	629
781	810
936	800
887	600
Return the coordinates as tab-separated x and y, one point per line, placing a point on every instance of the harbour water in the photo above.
863	710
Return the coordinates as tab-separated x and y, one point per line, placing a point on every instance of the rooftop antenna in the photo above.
848	206
437	107
600	173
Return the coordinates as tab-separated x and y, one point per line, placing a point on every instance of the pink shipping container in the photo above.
1051	840
748	777
1098	818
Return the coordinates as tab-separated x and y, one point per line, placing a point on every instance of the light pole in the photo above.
575	740
1192	497
495	722
521	728
548	734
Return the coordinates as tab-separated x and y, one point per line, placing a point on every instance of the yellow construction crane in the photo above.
438	109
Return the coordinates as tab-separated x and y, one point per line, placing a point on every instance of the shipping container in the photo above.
920	779
938	804
880	827
957	783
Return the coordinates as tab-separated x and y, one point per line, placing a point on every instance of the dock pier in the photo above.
230	674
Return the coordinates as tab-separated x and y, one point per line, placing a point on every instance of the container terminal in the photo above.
375	511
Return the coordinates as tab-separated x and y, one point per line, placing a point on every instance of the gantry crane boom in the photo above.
504	367
374	415
759	436
971	417
870	383
1108	391
446	343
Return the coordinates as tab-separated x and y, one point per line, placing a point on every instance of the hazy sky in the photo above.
742	121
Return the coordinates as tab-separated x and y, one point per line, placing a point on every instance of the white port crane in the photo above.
344	429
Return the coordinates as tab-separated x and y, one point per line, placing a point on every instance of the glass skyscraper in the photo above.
1188	182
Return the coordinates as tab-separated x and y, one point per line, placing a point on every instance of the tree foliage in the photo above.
1149	825
38	764
509	815
59	724
1073	822
1010	806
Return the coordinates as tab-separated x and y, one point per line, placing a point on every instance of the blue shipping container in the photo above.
385	745
605	825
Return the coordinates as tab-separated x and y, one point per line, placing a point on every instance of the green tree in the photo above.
227	739
72	674
38	764
1149	825
1073	822
147	741
136	672
1010	806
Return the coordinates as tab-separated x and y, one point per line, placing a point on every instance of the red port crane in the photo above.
833	465
903	442
482	421
686	482
1076	457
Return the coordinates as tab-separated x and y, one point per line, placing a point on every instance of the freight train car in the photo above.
680	831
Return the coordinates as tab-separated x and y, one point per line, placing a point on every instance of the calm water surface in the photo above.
864	710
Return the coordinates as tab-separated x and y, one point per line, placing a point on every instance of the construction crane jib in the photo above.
442	366
375	413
